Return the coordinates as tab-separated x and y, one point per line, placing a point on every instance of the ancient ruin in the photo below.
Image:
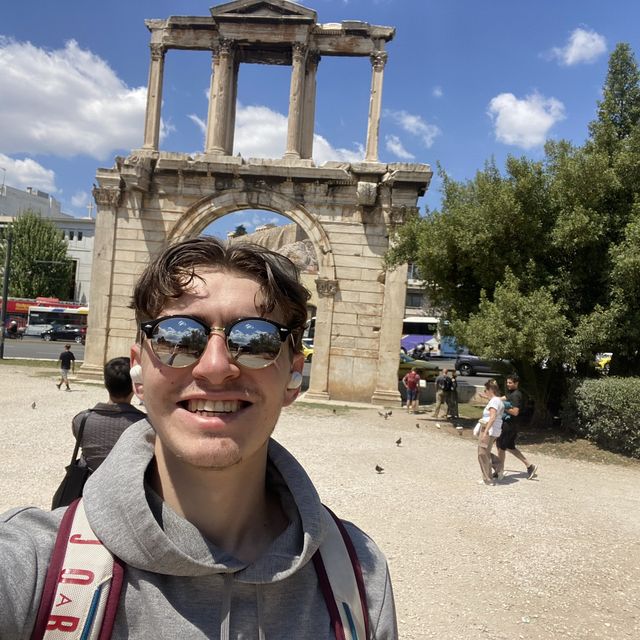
347	210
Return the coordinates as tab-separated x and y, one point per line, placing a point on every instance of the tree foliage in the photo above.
39	264
540	262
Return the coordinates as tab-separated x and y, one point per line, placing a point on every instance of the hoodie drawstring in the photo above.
260	609
225	611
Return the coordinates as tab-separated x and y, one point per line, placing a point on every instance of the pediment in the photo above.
262	9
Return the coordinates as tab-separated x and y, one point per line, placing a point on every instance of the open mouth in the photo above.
214	407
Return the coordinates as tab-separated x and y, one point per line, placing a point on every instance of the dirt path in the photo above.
556	557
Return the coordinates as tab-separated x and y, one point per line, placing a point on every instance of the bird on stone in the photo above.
417	425
399	441
385	414
33	405
379	469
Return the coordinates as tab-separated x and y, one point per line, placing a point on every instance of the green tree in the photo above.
39	263
240	230
619	109
540	263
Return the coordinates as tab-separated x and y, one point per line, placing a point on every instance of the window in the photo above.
70	235
414	300
79	235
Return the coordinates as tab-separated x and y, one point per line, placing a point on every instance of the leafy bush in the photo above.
606	411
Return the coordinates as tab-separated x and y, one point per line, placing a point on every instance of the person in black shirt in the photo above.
507	440
67	363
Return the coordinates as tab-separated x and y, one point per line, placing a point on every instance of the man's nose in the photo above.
216	364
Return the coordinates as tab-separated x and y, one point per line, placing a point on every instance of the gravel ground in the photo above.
554	557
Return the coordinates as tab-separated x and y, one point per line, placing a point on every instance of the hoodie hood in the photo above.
138	527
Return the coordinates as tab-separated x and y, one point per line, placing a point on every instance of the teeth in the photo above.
211	406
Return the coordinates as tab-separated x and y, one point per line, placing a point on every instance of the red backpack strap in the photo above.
55	566
84	579
344	592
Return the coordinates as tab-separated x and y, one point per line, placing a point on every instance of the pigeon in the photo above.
379	469
385	414
459	429
33	405
417	425
399	441
334	411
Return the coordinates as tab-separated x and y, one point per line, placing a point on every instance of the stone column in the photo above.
378	60
221	98
296	100
233	97
108	199
154	98
319	383
213	94
309	108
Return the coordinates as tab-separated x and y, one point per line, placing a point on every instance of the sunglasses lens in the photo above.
254	343
178	342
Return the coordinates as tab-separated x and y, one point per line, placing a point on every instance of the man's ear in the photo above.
136	371
295	374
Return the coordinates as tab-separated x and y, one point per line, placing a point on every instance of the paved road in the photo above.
38	349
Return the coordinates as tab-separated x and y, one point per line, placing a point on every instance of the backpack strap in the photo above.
341	582
82	587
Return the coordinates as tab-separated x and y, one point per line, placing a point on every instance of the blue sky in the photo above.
465	81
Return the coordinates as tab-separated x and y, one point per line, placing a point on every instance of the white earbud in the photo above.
295	381
136	373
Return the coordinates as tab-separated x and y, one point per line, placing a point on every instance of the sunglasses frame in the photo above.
147	328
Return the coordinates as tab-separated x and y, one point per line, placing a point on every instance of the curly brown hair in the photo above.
174	270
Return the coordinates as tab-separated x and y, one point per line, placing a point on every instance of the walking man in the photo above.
443	388
67	363
222	532
507	440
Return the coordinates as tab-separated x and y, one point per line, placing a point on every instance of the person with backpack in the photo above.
443	390
208	527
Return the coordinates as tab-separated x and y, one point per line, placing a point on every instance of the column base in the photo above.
90	372
320	396
386	397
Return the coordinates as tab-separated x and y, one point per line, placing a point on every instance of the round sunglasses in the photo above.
180	341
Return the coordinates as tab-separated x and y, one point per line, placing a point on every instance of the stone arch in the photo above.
215	206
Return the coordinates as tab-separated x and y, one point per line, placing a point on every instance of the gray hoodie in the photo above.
178	584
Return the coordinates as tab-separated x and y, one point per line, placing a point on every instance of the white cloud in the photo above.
395	146
27	173
261	132
66	102
437	92
80	199
415	125
524	123
583	46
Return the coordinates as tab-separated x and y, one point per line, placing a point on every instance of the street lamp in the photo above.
5	289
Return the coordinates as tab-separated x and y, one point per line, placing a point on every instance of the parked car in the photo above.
65	332
470	364
307	349
427	370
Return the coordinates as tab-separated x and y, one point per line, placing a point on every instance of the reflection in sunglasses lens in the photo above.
179	342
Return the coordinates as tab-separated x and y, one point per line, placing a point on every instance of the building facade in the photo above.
77	232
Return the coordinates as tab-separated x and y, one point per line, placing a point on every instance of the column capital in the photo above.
299	50
326	288
378	59
225	46
313	58
157	51
107	196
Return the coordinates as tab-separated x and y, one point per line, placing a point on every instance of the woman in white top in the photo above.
491	429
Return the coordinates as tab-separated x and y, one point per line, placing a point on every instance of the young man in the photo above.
67	363
411	382
507	440
443	387
107	421
217	523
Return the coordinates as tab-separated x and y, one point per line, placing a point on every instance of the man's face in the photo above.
215	413
511	385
